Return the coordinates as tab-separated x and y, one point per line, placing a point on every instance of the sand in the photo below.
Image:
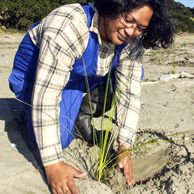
167	108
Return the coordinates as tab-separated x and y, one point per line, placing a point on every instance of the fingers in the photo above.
60	178
60	188
78	174
69	188
126	165
72	187
128	173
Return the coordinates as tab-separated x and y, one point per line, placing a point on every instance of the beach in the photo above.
167	112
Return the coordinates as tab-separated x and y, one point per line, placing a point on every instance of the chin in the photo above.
118	42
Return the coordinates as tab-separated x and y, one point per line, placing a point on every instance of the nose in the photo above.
130	30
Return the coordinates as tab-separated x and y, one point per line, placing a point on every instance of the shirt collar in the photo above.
94	26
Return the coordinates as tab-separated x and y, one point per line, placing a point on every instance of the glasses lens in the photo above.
129	23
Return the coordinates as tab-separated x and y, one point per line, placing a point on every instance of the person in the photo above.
48	73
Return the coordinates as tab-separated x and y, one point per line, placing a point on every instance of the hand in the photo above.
126	165
60	178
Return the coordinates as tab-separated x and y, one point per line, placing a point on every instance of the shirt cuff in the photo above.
126	136
51	155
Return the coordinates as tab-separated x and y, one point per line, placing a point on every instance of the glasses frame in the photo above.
126	22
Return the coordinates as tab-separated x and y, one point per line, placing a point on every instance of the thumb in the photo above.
120	164
78	174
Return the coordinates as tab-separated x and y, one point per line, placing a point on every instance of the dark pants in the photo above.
84	128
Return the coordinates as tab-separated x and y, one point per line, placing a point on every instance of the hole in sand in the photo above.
146	165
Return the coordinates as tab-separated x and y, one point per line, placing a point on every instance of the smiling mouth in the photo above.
121	36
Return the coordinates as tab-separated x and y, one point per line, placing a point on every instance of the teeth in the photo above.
121	35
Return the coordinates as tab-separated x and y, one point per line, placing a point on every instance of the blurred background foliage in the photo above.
21	14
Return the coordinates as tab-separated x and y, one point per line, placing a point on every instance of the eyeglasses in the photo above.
129	23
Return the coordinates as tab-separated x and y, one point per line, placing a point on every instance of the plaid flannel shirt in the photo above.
62	37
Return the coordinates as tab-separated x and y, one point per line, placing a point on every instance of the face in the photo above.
125	26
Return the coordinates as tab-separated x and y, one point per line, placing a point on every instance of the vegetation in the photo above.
182	16
21	14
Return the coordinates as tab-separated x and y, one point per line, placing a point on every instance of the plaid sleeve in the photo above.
63	40
50	79
128	90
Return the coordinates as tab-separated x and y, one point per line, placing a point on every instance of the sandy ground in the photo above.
167	108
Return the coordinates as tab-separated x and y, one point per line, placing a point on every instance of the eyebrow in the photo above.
137	22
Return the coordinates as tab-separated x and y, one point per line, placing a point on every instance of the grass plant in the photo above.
153	54
184	45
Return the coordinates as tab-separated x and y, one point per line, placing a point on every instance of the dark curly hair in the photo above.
160	30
